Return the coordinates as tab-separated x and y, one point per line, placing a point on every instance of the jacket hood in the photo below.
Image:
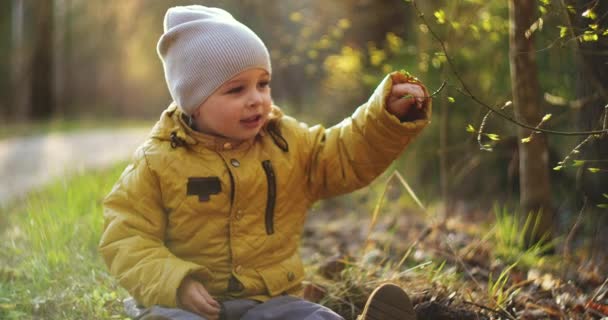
172	126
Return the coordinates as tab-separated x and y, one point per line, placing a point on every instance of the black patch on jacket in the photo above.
203	187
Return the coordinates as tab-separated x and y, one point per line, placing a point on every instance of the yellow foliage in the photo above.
295	16
342	68
376	56
324	43
344	23
313	54
395	43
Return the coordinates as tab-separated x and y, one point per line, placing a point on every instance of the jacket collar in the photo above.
172	127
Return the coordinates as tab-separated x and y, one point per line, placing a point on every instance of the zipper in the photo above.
272	195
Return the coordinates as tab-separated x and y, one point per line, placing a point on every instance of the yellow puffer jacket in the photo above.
231	215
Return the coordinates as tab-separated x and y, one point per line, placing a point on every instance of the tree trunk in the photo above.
20	93
535	195
60	54
42	62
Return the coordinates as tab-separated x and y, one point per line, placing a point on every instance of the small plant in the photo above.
498	292
510	238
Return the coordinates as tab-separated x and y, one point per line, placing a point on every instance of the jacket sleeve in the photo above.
352	153
132	241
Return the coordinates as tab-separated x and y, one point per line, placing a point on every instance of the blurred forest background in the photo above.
540	64
78	59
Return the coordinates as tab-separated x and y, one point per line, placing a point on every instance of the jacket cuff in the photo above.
175	277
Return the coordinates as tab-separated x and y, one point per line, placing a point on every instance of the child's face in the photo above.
239	108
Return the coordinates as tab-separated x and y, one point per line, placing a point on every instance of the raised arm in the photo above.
352	153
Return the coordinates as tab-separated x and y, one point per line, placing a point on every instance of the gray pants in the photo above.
282	307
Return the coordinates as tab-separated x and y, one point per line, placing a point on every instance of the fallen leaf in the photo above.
601	308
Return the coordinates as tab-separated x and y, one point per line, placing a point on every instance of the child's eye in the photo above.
235	90
264	84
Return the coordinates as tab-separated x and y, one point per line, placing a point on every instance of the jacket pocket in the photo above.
272	196
284	276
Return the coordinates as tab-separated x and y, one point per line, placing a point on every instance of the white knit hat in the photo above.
204	47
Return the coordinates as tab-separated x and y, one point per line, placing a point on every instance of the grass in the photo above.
49	265
25	129
509	238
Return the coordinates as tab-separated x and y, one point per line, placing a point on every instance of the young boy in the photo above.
206	221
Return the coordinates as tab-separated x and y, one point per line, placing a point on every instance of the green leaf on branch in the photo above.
440	16
563	31
594	170
471	129
451	99
493	136
590	14
526	139
558	168
590	36
603	205
546	117
571	9
605	195
578	163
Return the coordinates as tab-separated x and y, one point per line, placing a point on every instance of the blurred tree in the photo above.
592	91
60	65
41	90
19	75
535	195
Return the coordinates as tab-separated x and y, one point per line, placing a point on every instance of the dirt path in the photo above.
28	163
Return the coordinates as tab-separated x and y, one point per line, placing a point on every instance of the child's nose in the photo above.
255	98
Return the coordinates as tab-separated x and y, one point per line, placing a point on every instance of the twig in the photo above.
480	132
381	200
572	231
424	234
605	119
436	92
575	150
597	292
498	312
466	91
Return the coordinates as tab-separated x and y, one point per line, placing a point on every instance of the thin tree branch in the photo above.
467	92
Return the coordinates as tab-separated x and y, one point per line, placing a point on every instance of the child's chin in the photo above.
245	137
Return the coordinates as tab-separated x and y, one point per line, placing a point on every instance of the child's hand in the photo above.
193	297
407	100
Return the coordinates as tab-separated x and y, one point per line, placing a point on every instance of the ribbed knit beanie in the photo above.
202	48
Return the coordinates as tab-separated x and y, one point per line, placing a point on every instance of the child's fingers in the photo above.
208	298
408	89
209	305
202	307
414	94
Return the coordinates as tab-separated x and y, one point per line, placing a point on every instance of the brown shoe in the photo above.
388	302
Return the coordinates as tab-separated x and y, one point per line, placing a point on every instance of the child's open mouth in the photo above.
252	122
